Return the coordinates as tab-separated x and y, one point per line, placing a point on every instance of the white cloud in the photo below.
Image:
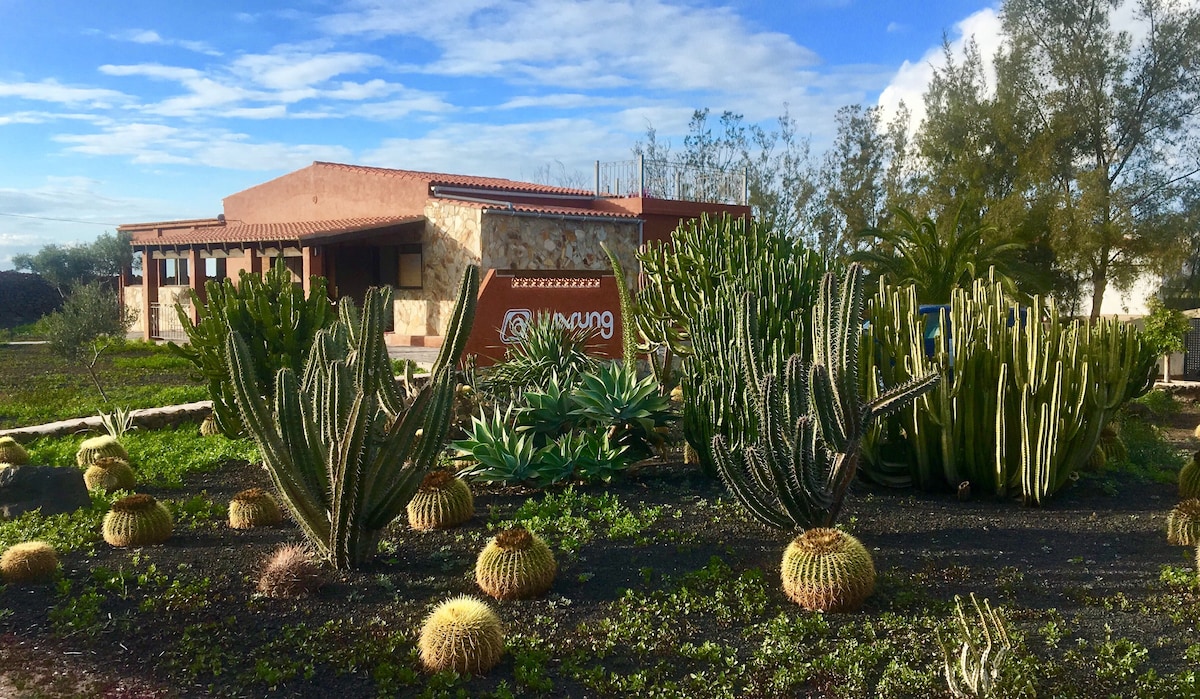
292	71
51	90
149	36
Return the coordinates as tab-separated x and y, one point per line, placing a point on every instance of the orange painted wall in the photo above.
324	193
662	216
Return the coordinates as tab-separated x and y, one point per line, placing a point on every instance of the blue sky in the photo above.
159	110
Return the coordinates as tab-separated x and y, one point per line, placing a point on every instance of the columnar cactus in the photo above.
462	634
345	450
11	452
515	564
1183	524
441	502
1189	478
975	669
109	473
254	507
291	572
28	562
811	420
827	570
137	520
99	447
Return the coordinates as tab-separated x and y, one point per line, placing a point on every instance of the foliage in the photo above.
979	671
1056	385
630	410
68	266
276	322
694	285
343	449
812	419
546	348
91	320
572	518
1165	328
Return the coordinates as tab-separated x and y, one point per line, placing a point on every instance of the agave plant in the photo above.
345	450
548	348
630	409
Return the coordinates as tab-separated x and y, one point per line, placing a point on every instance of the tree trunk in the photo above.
1099	285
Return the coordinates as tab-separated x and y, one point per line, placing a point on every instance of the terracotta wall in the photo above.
322	193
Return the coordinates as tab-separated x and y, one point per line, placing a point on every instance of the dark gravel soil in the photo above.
167	634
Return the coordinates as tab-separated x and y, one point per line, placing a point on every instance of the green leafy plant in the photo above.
631	410
344	450
275	321
90	321
546	349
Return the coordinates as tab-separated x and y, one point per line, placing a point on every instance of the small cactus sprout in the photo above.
137	520
208	428
98	447
28	562
1097	460
254	507
109	473
291	572
12	453
1183	524
827	570
441	502
516	564
1189	478
463	634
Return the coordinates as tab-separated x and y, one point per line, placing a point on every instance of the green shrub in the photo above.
547	348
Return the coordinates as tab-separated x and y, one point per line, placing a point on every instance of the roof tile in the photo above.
236	232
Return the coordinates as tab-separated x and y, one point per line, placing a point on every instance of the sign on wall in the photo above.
509	301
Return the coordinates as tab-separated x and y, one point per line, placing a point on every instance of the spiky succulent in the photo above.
1097	460
11	452
1183	524
515	564
462	634
1110	442
1189	478
28	562
209	427
442	501
109	473
254	507
827	570
99	447
137	520
291	572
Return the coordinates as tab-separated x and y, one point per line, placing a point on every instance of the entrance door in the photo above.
1191	353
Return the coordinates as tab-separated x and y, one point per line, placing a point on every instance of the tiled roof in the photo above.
568	211
436	178
236	232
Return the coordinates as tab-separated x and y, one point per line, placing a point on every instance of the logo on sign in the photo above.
516	322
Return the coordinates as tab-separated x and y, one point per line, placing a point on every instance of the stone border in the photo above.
145	418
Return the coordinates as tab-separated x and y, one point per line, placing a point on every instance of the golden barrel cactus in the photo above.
11	452
1189	478
99	447
1183	523
28	562
254	507
442	501
515	564
462	634
827	570
291	572
109	473
137	520
208	427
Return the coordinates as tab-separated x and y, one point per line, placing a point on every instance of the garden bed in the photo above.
665	589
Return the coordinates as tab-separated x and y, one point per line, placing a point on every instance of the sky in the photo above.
147	110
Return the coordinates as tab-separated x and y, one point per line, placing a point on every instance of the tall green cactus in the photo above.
276	321
344	450
796	472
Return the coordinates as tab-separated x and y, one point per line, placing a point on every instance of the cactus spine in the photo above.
1189	478
137	520
441	502
291	572
345	450
99	447
109	473
515	564
254	507
827	570
462	634
1183	524
12	453
29	562
810	424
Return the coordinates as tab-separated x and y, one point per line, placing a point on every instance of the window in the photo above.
174	272
411	266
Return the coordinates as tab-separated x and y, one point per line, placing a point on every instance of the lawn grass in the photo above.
38	387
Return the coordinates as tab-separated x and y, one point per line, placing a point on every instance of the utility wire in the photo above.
64	220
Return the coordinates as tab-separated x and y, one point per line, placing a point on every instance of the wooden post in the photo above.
196	281
255	261
313	265
150	282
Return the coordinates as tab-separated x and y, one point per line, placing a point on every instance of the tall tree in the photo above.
65	266
1121	115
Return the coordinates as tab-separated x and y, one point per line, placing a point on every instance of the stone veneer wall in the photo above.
546	243
450	243
133	301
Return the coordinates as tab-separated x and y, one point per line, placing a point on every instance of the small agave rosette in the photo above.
462	634
442	501
827	570
137	520
515	564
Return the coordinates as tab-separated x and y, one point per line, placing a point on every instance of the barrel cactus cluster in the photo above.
11	452
827	570
254	507
109	473
104	446
29	562
291	572
137	520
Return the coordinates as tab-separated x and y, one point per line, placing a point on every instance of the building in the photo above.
417	231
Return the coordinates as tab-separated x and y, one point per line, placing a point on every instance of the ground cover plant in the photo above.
38	387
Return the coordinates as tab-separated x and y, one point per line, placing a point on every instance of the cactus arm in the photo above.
898	396
295	428
461	320
732	470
